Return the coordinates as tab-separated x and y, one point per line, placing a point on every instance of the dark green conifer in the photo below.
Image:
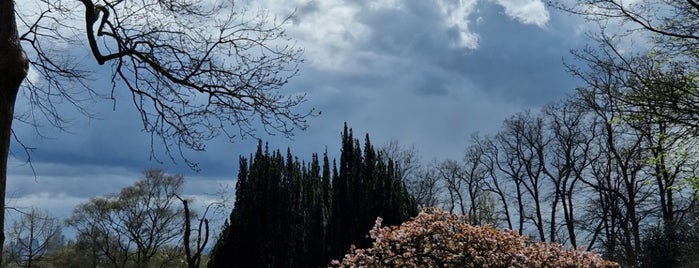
289	213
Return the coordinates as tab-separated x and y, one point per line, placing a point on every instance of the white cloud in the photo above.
384	4
327	30
456	14
526	11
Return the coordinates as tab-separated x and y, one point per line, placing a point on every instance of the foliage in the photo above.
671	245
436	238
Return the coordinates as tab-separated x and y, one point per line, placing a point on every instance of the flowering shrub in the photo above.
436	238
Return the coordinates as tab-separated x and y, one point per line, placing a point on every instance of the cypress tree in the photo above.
289	213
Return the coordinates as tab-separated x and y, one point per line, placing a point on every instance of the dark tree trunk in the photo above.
13	70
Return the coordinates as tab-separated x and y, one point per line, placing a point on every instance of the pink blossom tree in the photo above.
436	238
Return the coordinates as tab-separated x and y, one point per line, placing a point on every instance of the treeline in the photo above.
289	213
604	170
147	224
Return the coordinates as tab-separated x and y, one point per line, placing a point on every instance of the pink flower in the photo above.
438	237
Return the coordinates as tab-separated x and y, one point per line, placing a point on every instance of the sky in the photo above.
428	73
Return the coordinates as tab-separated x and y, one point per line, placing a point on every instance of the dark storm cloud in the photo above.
407	80
394	72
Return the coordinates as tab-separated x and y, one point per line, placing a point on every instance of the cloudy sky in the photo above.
427	73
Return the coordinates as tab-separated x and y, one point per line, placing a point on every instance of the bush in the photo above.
436	238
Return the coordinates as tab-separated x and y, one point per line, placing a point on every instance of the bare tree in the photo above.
451	174
131	227
193	259
671	27
568	155
673	23
511	172
420	180
195	70
407	158
480	208
523	142
31	237
426	188
618	175
494	183
193	253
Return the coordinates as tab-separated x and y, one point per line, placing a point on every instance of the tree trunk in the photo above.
13	70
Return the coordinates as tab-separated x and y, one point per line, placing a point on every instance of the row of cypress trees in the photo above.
295	214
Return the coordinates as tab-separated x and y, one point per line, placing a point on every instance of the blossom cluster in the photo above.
436	238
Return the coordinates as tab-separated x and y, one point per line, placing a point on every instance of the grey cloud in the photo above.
404	82
518	63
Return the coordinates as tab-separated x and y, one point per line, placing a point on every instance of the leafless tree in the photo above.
494	183
451	175
618	175
523	141
673	23
193	253
195	70
480	210
420	180
511	172
568	157
426	188
407	158
31	237
672	29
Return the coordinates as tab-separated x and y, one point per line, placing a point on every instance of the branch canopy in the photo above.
195	70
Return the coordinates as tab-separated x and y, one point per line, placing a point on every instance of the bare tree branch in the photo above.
195	70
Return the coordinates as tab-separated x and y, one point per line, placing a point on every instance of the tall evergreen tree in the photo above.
289	213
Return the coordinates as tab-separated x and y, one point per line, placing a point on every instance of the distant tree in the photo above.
70	256
425	187
522	141
201	71
406	158
436	238
131	227
420	180
494	183
32	237
451	174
